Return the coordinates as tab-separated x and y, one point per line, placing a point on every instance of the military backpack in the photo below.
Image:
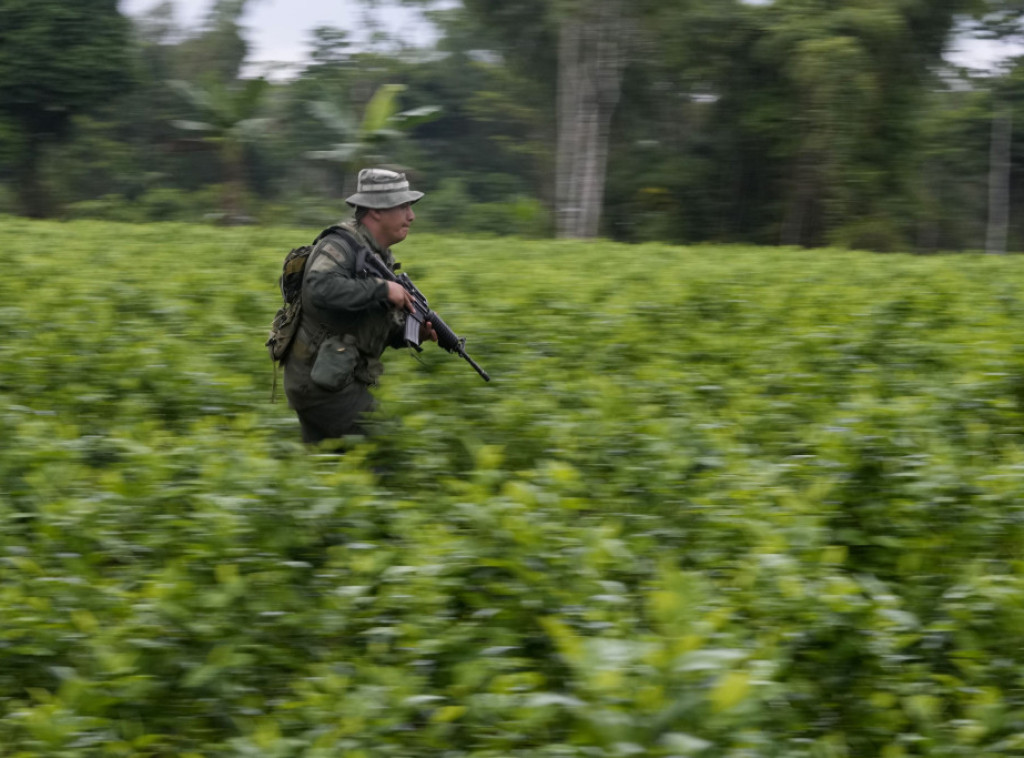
286	320
288	317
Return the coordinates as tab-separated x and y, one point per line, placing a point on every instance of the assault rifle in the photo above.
421	313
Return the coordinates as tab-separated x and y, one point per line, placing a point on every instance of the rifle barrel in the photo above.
475	365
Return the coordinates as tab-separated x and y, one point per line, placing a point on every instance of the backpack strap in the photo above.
298	260
361	250
313	339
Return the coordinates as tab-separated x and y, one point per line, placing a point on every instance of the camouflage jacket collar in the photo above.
364	235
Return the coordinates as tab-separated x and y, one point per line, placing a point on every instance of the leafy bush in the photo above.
878	234
308	212
8	203
717	502
106	208
452	209
153	205
520	217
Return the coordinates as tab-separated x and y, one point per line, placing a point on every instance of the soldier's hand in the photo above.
399	296
427	332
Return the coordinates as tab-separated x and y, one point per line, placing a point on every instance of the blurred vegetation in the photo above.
721	501
718	501
793	122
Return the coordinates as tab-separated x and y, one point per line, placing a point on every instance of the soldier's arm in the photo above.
332	286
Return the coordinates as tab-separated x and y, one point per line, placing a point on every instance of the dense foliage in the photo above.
56	60
796	121
717	501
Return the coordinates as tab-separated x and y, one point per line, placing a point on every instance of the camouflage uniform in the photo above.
347	322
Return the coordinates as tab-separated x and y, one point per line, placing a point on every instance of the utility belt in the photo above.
335	359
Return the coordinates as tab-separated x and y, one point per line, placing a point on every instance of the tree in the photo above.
999	180
218	50
56	60
947	197
591	40
381	123
813	106
858	72
1003	23
494	140
230	121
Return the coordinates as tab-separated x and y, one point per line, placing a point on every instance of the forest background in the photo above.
804	122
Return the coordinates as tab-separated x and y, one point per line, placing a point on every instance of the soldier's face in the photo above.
394	223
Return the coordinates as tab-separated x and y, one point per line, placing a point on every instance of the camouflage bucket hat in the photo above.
380	188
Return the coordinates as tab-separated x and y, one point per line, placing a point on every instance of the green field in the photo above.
717	501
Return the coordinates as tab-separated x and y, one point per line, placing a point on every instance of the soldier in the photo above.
348	320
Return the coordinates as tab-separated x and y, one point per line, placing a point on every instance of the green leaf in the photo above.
381	108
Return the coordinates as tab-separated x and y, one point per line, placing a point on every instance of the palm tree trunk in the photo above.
591	58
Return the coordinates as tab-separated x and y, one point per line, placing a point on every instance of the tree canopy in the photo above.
56	60
806	122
